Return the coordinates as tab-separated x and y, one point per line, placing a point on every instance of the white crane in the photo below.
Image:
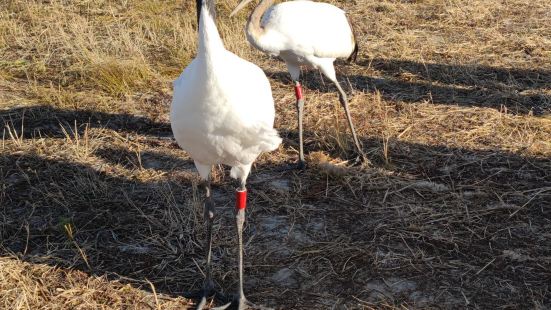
306	33
222	113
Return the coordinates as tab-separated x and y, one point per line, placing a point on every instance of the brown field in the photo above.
451	98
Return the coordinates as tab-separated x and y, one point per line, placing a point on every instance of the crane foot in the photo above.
362	160
301	165
206	293
244	304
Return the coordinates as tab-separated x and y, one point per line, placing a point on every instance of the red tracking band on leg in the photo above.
298	91
240	200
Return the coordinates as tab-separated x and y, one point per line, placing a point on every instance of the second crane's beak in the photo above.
238	8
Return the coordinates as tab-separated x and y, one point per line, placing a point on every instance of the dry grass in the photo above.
99	208
39	286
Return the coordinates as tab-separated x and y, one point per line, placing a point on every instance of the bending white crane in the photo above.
304	33
222	113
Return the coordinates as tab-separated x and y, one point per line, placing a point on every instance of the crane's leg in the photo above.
208	209
329	71
208	214
240	205
300	110
294	71
344	102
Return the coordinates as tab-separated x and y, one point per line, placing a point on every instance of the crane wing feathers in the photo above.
222	116
310	28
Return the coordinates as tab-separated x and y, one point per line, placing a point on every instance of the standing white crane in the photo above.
306	33
222	113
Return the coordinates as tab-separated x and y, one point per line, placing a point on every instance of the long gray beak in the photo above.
238	8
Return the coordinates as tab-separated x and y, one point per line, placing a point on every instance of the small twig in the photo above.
154	294
530	200
485	266
466	300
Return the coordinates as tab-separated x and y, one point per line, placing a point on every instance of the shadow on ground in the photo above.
45	120
434	226
521	91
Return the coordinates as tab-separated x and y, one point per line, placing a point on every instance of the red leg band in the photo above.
298	91
240	200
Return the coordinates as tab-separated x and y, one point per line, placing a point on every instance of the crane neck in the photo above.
254	24
209	38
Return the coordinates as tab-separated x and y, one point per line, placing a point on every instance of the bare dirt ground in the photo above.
452	100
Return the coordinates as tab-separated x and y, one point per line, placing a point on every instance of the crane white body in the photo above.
306	33
222	111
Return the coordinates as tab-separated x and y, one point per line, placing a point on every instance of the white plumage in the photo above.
222	110
305	33
222	113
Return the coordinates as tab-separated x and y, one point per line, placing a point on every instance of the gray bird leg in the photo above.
300	110
344	102
241	200
208	213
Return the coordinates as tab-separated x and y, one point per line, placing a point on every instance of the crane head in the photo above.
238	8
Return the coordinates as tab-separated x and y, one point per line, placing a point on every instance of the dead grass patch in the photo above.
99	207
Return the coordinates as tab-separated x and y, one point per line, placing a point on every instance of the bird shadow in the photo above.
520	91
142	159
45	120
135	229
121	227
435	162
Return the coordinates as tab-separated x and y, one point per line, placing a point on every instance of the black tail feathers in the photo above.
354	56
